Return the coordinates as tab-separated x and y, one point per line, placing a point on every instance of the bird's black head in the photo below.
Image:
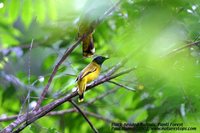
99	59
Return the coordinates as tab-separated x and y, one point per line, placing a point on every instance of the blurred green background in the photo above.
167	80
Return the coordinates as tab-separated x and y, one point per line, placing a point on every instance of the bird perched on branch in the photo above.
88	74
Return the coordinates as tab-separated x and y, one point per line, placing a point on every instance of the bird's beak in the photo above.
106	58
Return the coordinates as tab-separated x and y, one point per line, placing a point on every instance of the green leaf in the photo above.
52	14
8	40
8	93
27	11
35	128
51	130
40	11
13	10
140	115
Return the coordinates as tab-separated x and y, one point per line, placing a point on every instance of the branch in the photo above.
27	99
82	113
108	77
66	54
122	73
34	115
61	112
126	87
22	46
107	13
8	118
186	46
13	80
100	96
99	117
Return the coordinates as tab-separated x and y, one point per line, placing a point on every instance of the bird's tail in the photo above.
81	99
88	46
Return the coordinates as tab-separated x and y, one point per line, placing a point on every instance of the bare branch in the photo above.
82	113
122	73
8	118
107	13
98	116
27	99
186	46
13	80
100	96
34	115
22	46
61	112
67	52
108	77
126	87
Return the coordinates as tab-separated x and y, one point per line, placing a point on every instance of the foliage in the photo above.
166	81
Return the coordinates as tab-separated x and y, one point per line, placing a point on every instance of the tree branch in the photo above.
66	54
100	96
82	113
126	87
183	47
61	112
110	10
34	115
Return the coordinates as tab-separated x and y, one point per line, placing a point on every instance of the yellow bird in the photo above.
88	74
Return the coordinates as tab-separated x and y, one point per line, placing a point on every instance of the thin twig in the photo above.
122	73
22	46
82	113
29	78
13	80
108	77
126	87
98	116
183	47
62	112
100	96
107	13
8	118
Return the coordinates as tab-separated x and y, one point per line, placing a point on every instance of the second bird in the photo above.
88	74
86	29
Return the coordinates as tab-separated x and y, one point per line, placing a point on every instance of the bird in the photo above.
89	19
86	30
89	74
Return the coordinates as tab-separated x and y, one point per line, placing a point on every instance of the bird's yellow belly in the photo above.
92	76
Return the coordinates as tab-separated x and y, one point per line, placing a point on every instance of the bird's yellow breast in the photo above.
92	76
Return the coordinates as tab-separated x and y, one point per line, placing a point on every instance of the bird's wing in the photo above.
89	69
